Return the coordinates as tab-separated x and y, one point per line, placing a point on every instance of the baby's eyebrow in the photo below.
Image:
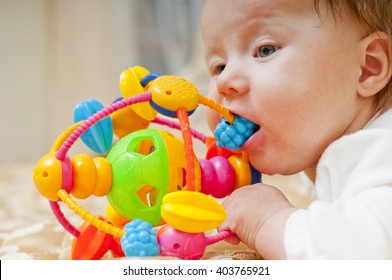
212	50
208	51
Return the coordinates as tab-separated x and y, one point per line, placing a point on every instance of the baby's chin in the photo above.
213	119
275	166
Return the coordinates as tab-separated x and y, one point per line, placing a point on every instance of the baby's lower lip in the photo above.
251	140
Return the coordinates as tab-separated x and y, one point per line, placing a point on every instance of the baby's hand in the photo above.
257	215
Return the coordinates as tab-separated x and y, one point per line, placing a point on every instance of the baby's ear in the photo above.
376	64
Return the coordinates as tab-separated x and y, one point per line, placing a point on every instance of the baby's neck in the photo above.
366	116
311	173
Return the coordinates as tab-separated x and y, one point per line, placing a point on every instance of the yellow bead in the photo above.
130	86
242	171
104	176
84	176
114	217
176	157
126	121
47	176
177	163
172	93
141	72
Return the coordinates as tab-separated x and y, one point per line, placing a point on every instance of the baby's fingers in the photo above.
233	240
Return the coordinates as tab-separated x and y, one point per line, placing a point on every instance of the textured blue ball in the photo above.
139	240
233	136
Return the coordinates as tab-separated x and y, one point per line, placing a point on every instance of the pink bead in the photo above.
225	177
208	176
183	245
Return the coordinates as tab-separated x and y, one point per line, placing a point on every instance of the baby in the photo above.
315	75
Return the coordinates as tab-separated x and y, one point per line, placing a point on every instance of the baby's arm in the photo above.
257	214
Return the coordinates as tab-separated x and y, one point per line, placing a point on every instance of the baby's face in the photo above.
292	72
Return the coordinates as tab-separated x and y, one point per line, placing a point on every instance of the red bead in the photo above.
91	244
213	150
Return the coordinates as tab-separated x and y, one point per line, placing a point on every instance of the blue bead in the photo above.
231	131
144	237
139	239
133	237
98	137
225	138
239	139
232	146
241	127
144	226
248	134
149	77
233	136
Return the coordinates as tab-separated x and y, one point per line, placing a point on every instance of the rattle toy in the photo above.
161	197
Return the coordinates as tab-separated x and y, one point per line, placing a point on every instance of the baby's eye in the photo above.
267	50
219	69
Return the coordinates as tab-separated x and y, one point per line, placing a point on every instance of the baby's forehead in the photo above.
229	15
246	8
225	16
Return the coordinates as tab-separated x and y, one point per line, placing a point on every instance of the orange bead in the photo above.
47	176
104	176
242	171
91	244
126	121
84	176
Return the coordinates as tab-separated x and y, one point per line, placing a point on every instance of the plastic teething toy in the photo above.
150	177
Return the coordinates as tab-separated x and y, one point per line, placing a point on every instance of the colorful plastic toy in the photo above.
150	177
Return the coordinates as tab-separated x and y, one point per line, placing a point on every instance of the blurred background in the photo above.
56	53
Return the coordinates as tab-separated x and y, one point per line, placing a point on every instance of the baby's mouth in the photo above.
257	128
233	136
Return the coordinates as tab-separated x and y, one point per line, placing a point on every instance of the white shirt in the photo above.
351	216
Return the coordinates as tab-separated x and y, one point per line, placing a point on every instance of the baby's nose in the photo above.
232	81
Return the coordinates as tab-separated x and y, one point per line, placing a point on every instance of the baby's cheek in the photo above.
213	118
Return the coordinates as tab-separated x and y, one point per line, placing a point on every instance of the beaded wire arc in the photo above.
150	177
